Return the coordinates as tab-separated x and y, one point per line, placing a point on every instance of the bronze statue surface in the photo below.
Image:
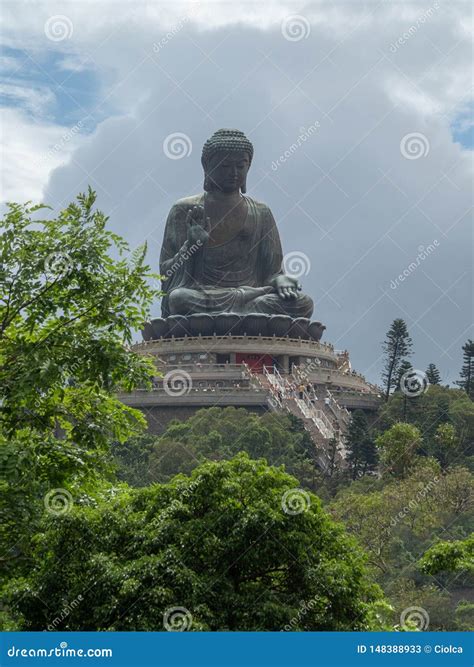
221	257
231	241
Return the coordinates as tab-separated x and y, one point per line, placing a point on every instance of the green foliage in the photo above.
61	293
464	616
404	367
396	346
449	556
219	543
436	603
68	311
467	371
379	517
217	434
433	375
446	442
398	446
435	407
362	454
395	522
131	459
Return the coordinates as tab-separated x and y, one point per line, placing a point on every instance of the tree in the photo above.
467	371
221	433
434	407
433	375
404	368
395	521
435	601
396	346
132	459
235	546
71	300
362	454
381	516
464	616
404	371
446	445
454	556
398	448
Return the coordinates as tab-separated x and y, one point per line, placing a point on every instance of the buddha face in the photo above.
228	170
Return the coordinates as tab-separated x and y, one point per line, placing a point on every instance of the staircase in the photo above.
316	420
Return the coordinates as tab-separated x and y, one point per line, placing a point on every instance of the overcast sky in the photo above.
361	118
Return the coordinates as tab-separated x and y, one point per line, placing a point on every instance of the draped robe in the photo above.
233	275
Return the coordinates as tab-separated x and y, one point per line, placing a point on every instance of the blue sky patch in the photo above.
462	127
53	86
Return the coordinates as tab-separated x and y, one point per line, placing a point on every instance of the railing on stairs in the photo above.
275	398
305	403
275	378
281	396
339	411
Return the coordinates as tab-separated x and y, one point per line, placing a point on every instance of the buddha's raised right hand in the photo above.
198	226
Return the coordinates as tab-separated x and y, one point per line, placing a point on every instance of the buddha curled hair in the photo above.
224	140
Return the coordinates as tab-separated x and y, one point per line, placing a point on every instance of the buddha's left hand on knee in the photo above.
287	287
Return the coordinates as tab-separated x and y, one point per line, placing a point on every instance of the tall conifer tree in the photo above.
467	371
397	346
433	375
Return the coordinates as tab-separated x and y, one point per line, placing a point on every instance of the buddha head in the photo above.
226	159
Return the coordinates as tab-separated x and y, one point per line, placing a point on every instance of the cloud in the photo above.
30	152
34	99
9	63
350	196
76	63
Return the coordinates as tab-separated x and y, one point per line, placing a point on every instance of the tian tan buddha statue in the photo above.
221	249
